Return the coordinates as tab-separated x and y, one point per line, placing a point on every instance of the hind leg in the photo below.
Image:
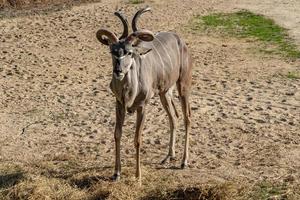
166	100
183	90
187	123
184	87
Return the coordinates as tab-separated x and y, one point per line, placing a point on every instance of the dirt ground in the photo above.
55	103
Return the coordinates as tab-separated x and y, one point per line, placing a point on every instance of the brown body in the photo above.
139	77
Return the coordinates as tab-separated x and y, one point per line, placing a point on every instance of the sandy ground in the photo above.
55	102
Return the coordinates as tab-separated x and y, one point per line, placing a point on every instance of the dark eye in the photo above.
115	52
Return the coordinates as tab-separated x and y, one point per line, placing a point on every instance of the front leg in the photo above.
120	115
140	119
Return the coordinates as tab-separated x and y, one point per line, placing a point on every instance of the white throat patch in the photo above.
120	58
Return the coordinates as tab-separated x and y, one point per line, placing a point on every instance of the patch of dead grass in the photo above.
44	188
162	184
63	180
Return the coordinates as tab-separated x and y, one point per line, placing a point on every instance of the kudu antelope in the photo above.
145	64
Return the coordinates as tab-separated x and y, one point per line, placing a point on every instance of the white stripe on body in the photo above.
166	51
163	65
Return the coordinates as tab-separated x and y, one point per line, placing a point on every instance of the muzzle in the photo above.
118	73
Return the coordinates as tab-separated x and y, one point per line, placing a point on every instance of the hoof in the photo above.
116	177
168	158
130	112
184	166
138	181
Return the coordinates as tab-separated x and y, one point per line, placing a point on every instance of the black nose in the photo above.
118	71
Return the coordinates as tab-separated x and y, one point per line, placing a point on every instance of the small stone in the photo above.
194	108
237	163
249	98
289	178
103	142
283	120
258	109
156	141
261	121
292	123
290	93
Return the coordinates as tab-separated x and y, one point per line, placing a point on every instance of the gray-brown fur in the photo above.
145	65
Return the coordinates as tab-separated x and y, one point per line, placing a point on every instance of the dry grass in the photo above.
69	179
44	188
74	180
160	185
66	180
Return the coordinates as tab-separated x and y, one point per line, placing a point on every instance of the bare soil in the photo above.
56	106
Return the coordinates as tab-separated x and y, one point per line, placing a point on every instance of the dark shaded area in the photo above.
87	182
190	193
68	169
101	195
8	180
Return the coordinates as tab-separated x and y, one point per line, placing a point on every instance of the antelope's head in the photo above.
124	48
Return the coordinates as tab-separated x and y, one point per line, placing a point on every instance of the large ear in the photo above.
146	36
143	35
106	37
